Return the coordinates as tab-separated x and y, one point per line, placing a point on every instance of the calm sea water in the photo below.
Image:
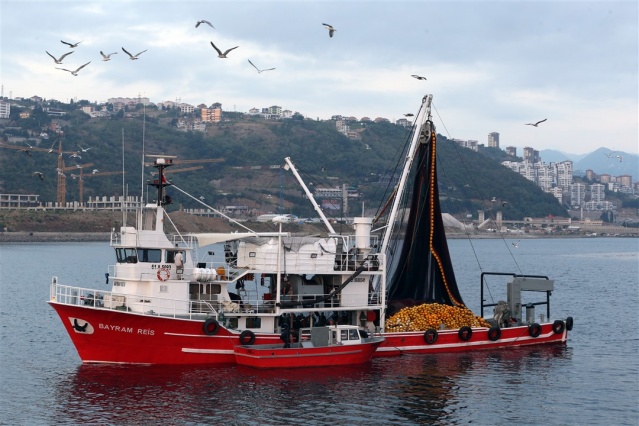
593	380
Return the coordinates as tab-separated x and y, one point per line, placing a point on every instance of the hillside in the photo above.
248	148
105	221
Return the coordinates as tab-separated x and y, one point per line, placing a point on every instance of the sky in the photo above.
491	66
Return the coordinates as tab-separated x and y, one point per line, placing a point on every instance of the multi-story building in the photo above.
211	115
546	176
5	109
493	140
597	192
563	171
511	151
625	180
577	194
186	108
531	155
470	144
558	193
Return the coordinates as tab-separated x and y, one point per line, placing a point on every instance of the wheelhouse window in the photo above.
133	255
150	255
126	255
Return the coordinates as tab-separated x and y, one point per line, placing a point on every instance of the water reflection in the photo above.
413	389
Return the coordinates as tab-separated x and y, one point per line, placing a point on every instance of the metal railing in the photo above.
135	303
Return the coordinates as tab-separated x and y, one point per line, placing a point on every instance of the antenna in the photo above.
143	130
123	186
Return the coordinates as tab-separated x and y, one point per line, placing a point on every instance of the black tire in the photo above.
569	323
247	337
211	327
494	333
465	333
558	326
534	329
430	336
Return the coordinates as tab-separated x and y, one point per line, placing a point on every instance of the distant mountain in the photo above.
601	161
614	163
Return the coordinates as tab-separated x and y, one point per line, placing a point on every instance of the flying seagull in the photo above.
107	57
219	52
84	149
330	29
133	57
418	77
408	115
204	21
537	123
95	171
72	45
38	174
75	73
259	70
619	157
59	61
75	155
516	244
26	150
51	149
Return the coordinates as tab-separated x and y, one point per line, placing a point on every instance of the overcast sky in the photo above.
492	66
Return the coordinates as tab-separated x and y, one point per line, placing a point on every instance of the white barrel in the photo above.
363	227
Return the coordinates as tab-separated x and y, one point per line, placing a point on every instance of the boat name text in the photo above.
131	330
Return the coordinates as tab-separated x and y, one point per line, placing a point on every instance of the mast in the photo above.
422	117
161	163
309	195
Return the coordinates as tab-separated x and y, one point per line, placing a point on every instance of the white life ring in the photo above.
163	274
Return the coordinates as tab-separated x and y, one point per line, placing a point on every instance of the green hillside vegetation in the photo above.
324	157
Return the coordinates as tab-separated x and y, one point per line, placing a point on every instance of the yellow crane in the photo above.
94	173
62	179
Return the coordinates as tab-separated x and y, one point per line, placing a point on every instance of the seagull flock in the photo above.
107	56
220	54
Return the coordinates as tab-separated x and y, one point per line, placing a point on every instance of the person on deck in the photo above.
179	264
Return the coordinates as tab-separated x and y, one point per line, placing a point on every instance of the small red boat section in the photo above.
318	347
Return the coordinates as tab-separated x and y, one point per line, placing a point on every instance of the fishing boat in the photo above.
172	300
321	346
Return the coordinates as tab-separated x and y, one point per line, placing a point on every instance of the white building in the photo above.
5	109
597	192
577	194
564	171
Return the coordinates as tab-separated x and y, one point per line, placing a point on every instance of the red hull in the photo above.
449	341
279	357
120	337
113	336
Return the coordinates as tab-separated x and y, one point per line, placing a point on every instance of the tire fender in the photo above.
211	327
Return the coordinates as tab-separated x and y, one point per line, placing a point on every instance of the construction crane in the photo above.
62	179
95	173
186	169
178	162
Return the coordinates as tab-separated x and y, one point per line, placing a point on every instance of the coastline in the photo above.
53	237
69	237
